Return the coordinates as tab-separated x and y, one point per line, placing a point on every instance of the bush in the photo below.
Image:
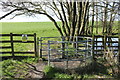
112	62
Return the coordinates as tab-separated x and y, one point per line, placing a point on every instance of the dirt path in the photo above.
36	70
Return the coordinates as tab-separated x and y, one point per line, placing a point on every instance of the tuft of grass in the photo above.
30	60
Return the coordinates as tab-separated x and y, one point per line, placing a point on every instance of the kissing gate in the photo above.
81	49
60	49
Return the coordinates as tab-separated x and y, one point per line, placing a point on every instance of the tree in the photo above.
75	16
72	14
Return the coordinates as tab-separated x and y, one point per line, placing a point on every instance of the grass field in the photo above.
42	29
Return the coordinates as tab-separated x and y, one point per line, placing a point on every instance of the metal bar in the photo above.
76	46
67	56
63	47
103	50
48	53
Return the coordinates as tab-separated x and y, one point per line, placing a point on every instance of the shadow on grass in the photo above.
87	71
19	58
93	68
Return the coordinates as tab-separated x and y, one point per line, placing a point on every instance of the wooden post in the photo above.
35	47
12	46
105	38
119	55
119	51
96	39
38	47
93	38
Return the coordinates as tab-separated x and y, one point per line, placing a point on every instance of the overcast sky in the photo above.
23	18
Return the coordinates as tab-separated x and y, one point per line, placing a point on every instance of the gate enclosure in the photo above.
96	45
11	40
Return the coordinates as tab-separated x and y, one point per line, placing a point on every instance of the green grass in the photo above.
13	68
42	29
87	71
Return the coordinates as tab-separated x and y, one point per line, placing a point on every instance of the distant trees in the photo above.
77	18
106	12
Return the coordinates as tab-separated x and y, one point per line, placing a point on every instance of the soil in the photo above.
36	71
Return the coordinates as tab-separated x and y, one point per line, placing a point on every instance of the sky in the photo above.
23	18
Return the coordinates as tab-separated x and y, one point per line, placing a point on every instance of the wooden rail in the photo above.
106	44
12	41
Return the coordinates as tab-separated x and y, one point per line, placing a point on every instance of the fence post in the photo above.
119	52
38	47
35	47
12	46
93	38
96	39
105	38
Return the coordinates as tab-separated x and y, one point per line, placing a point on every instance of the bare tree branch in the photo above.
9	13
